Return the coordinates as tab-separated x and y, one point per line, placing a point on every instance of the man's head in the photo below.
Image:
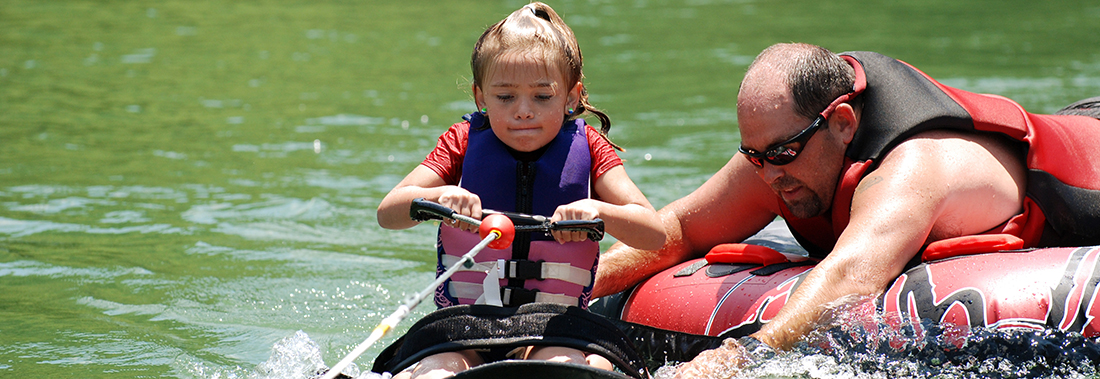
791	128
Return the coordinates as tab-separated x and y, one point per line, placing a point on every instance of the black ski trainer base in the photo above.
466	327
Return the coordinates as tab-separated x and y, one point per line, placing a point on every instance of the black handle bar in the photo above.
423	210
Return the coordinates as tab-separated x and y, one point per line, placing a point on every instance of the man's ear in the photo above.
846	120
479	97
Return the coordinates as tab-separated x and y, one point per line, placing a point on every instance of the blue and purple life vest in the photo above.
535	268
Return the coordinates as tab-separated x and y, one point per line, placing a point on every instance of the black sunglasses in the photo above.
784	152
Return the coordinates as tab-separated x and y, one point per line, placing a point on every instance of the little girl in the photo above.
525	151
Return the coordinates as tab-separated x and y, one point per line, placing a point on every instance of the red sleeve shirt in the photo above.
450	149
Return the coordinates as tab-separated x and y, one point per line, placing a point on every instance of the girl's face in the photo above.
526	101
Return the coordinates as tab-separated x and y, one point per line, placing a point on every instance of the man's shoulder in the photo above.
945	162
944	156
946	143
958	183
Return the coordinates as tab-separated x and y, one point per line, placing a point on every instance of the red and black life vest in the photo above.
1062	207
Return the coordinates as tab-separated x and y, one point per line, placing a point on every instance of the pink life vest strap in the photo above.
567	270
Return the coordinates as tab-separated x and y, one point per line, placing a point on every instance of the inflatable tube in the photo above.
719	299
968	286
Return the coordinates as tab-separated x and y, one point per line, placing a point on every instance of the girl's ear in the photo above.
479	97
573	100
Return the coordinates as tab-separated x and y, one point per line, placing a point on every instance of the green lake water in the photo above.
188	188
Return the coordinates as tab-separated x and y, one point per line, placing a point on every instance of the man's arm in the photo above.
730	206
937	186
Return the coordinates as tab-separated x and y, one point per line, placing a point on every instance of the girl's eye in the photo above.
504	97
544	97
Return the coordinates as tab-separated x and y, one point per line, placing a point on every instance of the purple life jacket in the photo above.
535	268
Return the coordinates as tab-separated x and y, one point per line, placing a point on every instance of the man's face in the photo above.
806	184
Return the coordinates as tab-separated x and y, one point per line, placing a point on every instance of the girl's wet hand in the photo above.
577	210
464	203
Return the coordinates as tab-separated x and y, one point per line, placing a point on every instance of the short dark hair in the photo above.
817	77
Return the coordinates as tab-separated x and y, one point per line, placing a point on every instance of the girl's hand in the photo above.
465	203
577	210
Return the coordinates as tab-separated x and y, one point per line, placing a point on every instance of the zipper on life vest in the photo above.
525	200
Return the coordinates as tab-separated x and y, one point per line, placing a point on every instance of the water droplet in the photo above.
648	156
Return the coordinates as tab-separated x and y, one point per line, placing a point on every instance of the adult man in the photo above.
870	161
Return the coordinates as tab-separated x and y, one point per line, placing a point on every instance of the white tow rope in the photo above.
403	311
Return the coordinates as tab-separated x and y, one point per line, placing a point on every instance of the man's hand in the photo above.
722	362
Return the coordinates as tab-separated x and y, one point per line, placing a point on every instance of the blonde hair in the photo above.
537	30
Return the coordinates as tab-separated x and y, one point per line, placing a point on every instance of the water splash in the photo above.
294	357
856	341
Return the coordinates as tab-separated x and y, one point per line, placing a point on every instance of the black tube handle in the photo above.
424	210
594	228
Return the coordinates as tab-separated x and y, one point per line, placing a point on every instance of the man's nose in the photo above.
770	173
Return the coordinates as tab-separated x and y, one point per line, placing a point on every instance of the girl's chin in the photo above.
526	143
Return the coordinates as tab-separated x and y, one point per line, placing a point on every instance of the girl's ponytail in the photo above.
605	121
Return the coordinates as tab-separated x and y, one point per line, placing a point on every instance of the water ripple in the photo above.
111	308
38	269
58	205
22	228
276	208
345	119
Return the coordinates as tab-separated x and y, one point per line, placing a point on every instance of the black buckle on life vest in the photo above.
523	269
516	296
